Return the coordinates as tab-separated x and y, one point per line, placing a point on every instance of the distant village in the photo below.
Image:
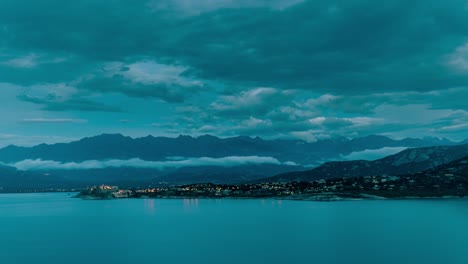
366	187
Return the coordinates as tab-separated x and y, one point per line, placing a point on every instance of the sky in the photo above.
268	68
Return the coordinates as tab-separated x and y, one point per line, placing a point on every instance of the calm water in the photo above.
53	229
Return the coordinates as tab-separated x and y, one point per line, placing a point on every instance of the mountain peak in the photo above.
207	136
105	138
109	135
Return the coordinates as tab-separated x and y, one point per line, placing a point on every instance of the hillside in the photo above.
13	180
406	162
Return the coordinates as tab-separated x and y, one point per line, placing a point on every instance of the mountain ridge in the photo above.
408	161
118	146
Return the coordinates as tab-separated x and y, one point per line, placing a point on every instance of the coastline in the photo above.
315	198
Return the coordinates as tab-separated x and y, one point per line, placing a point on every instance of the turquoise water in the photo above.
54	228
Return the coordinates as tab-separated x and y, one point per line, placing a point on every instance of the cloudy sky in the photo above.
269	68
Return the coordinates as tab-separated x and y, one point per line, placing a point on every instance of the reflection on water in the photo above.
272	202
190	204
149	206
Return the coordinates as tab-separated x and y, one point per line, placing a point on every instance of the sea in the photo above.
54	228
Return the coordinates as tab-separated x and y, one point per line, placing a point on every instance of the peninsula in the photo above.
450	180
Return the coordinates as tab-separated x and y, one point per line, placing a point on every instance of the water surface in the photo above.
56	229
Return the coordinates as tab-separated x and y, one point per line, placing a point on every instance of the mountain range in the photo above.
207	159
117	146
409	161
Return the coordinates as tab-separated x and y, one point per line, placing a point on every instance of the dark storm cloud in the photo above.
303	68
340	46
93	29
336	46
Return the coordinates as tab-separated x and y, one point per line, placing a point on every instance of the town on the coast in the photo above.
448	182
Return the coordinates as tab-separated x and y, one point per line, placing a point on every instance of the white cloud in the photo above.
244	99
254	100
322	100
373	154
305	135
458	127
28	61
317	120
190	8
31	61
255	122
31	165
344	122
151	72
458	60
365	121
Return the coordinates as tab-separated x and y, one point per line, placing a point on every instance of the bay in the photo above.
55	228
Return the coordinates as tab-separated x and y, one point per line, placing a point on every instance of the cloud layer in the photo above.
37	165
276	68
373	154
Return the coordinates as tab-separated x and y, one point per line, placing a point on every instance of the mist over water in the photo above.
54	228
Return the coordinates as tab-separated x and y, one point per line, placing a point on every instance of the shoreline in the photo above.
305	199
318	198
326	197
